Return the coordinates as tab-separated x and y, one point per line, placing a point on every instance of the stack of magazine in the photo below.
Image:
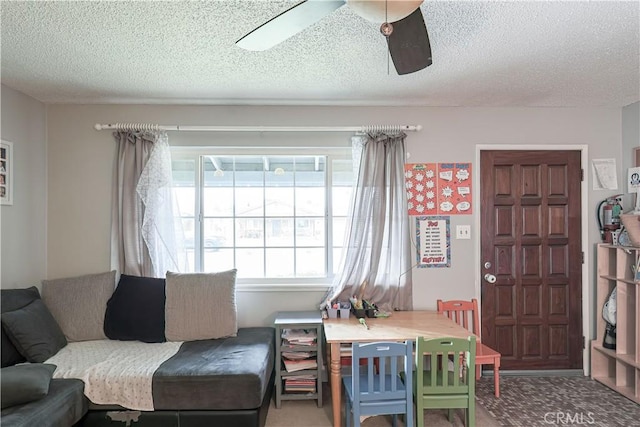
297	359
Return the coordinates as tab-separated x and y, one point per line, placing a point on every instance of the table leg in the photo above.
336	384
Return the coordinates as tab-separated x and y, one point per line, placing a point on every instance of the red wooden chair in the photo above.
464	313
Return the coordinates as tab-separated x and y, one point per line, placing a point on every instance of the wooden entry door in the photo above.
531	243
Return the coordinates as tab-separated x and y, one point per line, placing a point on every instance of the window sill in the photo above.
281	287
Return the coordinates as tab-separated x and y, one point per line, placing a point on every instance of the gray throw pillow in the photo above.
200	306
25	383
34	331
79	304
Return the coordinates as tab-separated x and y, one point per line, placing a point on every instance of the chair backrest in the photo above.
437	378
386	384
464	313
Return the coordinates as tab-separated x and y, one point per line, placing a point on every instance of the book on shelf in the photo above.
300	385
299	365
299	336
298	355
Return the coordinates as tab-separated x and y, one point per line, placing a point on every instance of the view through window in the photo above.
275	217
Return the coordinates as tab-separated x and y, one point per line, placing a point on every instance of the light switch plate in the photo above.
463	232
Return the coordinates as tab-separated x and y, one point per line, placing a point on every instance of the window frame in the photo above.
198	154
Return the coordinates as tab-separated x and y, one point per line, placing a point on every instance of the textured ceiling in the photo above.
544	53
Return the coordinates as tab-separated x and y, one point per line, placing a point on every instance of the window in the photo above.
278	217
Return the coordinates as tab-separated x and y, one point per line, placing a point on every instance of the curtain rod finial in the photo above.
97	126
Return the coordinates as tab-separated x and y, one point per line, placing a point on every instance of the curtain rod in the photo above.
155	127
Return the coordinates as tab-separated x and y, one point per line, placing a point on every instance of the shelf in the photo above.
618	369
299	321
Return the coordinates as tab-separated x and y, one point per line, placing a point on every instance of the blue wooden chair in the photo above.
382	392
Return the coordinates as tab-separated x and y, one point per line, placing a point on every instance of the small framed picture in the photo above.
6	173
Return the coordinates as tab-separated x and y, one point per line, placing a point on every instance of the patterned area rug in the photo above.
530	401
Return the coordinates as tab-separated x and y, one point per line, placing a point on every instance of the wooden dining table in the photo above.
400	326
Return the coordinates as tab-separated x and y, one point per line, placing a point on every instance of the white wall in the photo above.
81	159
23	224
630	140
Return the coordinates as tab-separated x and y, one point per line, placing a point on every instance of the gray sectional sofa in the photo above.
226	381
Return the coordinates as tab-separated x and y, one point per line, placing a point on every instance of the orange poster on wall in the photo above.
438	188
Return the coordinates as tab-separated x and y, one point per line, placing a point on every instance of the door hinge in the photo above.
583	342
581	174
582	257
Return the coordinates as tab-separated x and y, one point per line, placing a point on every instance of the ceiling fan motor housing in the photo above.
384	10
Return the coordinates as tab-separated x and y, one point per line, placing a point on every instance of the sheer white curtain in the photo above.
376	261
145	239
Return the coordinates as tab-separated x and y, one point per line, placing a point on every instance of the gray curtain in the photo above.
129	253
376	260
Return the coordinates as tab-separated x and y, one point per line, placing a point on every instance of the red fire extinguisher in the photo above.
609	211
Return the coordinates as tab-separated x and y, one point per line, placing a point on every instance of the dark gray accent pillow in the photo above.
25	383
136	310
34	331
13	299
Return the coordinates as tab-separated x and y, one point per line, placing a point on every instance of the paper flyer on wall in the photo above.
605	174
433	239
438	188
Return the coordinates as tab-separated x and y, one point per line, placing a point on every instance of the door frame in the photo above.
587	312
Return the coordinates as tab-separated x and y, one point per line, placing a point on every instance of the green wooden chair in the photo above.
437	386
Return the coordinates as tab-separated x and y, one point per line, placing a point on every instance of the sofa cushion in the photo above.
79	304
136	310
64	405
25	383
13	299
34	331
200	306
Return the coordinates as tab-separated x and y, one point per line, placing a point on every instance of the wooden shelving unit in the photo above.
618	369
298	321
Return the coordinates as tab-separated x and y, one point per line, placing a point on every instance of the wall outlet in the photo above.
463	232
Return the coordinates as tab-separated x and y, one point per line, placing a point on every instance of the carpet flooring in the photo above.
531	401
526	401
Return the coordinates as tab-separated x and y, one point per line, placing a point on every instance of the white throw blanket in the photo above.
114	372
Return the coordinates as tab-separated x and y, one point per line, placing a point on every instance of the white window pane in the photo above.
341	200
249	232
217	201
280	172
310	262
337	257
250	263
339	225
220	229
310	201
310	232
279	232
280	262
217	260
249	202
183	172
185	198
191	261
342	173
278	201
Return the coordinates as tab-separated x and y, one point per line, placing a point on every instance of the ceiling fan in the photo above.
403	26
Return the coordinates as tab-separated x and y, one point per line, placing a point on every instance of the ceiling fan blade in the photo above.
409	44
288	23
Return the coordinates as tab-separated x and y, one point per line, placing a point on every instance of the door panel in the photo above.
531	230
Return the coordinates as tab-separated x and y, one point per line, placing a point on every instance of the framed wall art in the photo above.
6	173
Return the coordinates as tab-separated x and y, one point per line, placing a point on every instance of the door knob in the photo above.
490	278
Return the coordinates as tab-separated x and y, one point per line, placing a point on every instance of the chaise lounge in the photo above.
216	381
